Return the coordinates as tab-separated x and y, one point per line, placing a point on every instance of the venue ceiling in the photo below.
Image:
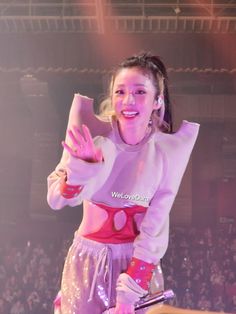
101	16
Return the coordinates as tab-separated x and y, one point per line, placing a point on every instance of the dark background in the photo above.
50	50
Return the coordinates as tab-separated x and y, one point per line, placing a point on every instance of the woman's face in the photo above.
133	98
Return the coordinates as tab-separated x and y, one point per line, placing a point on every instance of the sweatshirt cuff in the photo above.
128	291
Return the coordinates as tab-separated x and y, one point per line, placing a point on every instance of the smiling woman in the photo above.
129	179
141	79
134	99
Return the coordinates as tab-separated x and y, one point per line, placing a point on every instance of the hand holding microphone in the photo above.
149	300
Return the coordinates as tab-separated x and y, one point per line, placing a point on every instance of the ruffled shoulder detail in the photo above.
185	136
82	112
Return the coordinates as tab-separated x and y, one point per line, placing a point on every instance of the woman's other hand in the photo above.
122	308
82	146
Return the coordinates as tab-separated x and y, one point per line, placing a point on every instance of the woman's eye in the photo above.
119	92
140	92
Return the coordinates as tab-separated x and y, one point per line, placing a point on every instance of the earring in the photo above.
150	121
160	101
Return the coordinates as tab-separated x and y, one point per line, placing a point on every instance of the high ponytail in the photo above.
153	66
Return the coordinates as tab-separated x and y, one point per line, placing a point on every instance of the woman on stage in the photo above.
127	182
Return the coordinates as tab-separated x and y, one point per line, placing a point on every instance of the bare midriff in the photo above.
108	233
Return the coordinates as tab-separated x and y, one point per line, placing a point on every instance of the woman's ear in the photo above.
159	102
155	104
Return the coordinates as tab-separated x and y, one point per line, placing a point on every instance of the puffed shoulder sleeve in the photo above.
91	176
151	244
77	173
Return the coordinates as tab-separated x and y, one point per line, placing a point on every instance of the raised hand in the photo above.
82	146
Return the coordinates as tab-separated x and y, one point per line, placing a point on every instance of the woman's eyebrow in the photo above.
137	84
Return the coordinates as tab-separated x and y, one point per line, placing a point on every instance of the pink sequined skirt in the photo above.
90	273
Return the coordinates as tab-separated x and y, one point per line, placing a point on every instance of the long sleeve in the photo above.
152	241
79	172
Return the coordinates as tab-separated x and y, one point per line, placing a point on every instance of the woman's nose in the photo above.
129	99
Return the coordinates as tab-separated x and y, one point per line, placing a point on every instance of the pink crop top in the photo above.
108	232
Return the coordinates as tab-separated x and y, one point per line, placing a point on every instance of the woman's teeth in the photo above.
129	114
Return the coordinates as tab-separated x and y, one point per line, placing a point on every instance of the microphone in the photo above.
154	299
149	300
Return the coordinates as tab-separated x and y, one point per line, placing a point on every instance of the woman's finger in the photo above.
88	136
79	135
73	138
99	155
83	146
68	148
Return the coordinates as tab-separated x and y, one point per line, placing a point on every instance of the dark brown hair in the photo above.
153	66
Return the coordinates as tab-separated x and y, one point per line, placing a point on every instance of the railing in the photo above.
115	15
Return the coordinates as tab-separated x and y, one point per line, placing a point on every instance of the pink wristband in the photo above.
70	191
141	272
57	301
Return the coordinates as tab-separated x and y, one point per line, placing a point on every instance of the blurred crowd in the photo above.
199	266
30	275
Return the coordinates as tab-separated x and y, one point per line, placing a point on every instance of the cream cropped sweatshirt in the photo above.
146	174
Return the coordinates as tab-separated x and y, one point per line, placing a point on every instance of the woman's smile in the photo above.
129	114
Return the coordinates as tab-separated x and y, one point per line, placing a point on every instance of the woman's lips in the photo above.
129	113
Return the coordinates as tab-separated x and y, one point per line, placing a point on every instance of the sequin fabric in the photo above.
90	273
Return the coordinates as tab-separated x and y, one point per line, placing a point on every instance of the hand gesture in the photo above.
82	146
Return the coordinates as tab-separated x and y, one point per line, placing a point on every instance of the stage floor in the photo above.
167	309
